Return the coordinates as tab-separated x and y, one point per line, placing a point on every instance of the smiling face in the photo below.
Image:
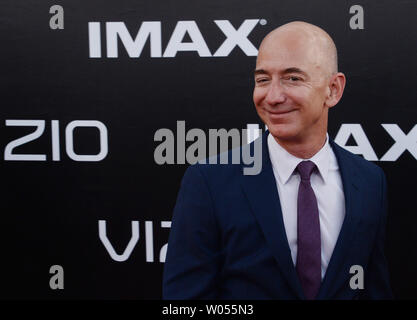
293	84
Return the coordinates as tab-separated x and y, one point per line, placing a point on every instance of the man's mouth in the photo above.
279	112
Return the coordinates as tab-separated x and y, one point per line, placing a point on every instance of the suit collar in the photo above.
284	163
336	274
261	191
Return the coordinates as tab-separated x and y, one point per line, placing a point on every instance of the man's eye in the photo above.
294	78
261	80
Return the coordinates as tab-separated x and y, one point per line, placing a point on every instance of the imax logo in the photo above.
402	141
152	30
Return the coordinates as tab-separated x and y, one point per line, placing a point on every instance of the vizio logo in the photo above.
149	241
10	155
152	30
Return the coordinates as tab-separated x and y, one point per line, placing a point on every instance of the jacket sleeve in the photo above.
193	258
377	283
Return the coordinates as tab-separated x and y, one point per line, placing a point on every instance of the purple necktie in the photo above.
308	264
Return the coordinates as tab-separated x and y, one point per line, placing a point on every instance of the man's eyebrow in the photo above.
285	71
295	70
259	71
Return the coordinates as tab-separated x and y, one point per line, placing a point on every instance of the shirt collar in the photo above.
285	163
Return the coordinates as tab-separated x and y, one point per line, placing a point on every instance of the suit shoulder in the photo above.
366	167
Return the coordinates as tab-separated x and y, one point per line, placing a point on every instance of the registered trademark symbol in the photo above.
262	22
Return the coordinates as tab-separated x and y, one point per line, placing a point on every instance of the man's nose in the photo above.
275	93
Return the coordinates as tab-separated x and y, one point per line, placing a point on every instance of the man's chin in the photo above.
282	131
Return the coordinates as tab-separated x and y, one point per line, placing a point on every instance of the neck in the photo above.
303	149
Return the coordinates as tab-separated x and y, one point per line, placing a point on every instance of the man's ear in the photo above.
335	90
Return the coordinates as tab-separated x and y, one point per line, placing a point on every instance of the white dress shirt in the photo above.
327	186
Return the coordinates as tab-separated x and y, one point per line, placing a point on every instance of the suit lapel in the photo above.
351	182
261	191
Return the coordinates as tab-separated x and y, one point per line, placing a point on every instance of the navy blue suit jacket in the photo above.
228	241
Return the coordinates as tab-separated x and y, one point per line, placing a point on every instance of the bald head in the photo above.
296	82
302	36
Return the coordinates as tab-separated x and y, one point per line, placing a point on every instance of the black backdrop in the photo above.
51	209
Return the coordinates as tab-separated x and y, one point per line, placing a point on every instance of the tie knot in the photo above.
305	168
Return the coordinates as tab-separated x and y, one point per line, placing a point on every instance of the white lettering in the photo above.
363	146
132	243
134	48
236	38
197	43
402	142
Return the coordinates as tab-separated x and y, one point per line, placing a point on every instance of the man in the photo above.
310	222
